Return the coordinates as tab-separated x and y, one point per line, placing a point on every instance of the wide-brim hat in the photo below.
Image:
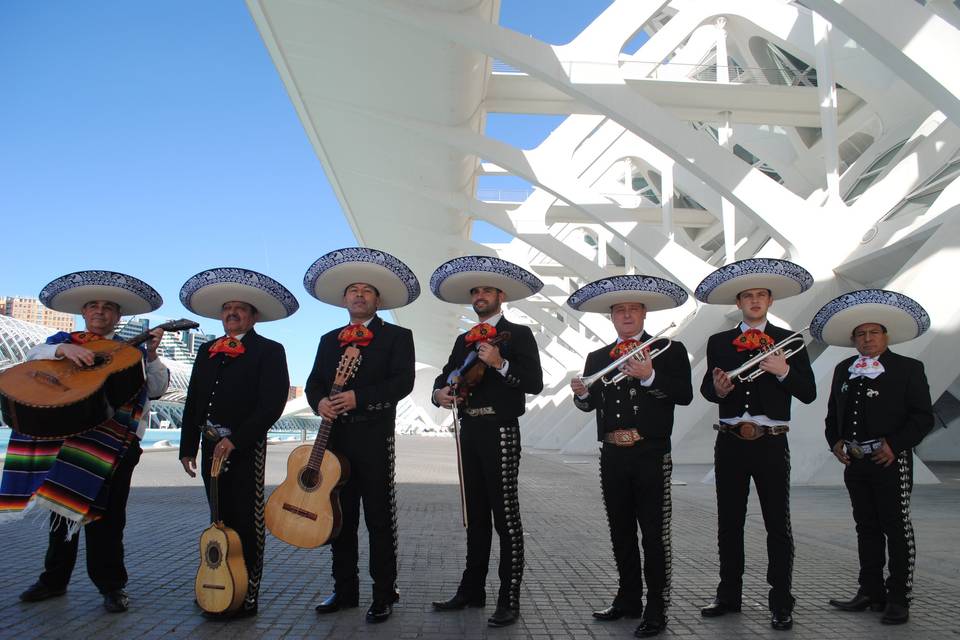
903	316
330	275
205	293
782	277
654	293
70	292
453	280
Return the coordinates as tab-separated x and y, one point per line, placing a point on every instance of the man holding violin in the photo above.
754	417
634	423
490	400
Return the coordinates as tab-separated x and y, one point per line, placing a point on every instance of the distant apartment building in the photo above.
294	392
30	310
179	346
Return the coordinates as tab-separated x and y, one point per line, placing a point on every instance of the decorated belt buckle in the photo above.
623	438
855	450
749	431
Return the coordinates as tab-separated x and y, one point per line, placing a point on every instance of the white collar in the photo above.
638	338
493	320
744	327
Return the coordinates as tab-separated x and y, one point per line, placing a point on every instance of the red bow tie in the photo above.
355	334
623	348
83	337
228	346
752	339
480	333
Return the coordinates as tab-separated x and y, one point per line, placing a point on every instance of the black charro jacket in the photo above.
246	393
895	405
766	395
630	405
506	394
384	377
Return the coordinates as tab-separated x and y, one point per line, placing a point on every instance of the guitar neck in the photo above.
215	498
323	435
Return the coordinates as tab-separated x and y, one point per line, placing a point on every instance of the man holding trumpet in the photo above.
754	420
634	397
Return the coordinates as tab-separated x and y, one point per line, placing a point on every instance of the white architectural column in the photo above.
666	198
725	138
827	89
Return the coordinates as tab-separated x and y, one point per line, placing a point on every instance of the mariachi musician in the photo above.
238	388
754	420
363	281
490	429
879	410
634	423
76	491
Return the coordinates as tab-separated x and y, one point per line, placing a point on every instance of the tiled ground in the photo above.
569	571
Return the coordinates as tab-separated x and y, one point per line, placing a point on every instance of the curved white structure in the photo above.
738	128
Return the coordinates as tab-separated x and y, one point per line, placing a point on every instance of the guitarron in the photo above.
57	398
305	510
222	580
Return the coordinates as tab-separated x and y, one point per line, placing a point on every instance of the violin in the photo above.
470	373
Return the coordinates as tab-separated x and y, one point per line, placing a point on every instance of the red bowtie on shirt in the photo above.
356	334
83	337
480	333
752	339
228	346
624	348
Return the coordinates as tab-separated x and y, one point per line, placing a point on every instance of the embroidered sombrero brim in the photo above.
655	293
70	292
205	293
453	280
903	317
329	276
782	277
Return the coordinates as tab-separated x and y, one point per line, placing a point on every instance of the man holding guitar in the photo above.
238	389
100	297
364	280
489	412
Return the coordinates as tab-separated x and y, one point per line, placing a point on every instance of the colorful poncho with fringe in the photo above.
71	476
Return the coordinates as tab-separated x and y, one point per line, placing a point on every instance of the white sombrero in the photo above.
453	280
781	277
70	292
328	277
655	294
903	317
205	293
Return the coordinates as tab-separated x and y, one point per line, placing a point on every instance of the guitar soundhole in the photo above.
309	479
214	555
100	360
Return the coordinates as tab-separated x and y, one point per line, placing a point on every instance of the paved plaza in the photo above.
569	571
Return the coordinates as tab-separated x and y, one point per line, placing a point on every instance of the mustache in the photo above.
233	316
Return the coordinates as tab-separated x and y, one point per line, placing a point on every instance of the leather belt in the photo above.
622	437
860	449
354	419
475	412
751	430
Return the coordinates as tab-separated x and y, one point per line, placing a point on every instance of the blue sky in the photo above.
156	139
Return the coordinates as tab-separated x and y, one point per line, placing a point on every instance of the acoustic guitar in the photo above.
305	509
222	580
57	398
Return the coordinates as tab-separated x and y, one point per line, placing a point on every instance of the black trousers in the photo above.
636	490
369	449
241	506
767	461
490	454
881	509
104	536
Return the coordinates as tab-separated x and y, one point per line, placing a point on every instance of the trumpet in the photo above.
636	352
795	339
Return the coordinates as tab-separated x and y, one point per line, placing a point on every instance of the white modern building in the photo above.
692	133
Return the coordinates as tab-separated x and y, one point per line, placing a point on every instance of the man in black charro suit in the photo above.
634	423
490	438
364	415
752	442
879	410
238	389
